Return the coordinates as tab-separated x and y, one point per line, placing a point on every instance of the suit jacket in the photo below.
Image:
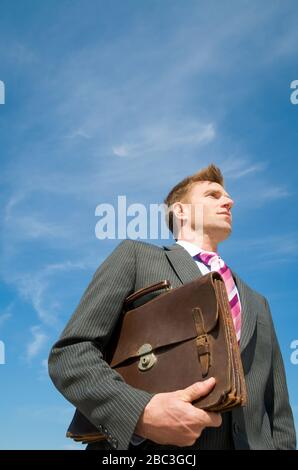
78	370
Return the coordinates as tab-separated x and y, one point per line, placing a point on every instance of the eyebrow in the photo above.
217	191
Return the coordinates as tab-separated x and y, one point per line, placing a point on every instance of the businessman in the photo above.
200	216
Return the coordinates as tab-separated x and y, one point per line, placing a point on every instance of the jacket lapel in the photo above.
187	270
183	264
248	312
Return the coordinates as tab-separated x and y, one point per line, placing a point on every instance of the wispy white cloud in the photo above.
12	202
141	116
19	54
66	266
236	167
255	193
44	364
36	287
38	341
43	373
272	193
33	288
267	252
121	151
163	138
4	317
6	314
30	227
79	133
284	44
277	244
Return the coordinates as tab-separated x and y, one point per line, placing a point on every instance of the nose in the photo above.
228	204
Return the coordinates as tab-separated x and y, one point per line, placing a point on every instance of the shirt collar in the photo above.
191	248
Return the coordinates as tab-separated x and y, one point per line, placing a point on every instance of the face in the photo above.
214	204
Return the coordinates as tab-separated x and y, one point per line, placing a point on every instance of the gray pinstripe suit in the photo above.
84	378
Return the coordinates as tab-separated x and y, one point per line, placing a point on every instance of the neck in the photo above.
209	247
201	241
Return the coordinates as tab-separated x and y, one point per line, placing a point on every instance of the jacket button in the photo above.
114	443
236	428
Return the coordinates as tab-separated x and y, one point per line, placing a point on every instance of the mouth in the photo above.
227	214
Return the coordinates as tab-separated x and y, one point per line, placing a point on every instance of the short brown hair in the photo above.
179	192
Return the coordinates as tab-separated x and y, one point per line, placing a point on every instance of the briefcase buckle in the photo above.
148	358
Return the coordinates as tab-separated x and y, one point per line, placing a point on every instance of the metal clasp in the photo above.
147	359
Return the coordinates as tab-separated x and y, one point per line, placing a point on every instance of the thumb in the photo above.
198	389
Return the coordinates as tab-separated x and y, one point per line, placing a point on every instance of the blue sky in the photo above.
108	98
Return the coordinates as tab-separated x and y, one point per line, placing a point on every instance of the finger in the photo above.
212	419
198	389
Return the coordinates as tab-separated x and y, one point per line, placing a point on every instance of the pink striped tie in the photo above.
217	264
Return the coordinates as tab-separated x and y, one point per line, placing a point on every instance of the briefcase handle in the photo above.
146	290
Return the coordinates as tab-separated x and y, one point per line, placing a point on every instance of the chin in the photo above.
225	232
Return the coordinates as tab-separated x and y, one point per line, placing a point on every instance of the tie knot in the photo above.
207	257
211	259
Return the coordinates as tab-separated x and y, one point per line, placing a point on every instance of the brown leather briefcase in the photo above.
182	336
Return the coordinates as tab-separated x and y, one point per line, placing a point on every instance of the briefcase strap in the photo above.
165	284
202	341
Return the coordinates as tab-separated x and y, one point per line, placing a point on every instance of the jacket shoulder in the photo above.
141	246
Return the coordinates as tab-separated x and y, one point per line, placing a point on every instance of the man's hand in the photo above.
170	418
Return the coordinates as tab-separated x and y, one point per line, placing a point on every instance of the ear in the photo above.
180	210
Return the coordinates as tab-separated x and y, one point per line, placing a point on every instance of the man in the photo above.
129	416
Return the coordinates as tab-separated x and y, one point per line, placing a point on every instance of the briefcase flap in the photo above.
167	320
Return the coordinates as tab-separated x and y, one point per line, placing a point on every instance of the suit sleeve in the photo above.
277	399
76	363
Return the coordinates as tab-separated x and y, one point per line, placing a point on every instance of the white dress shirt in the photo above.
193	250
